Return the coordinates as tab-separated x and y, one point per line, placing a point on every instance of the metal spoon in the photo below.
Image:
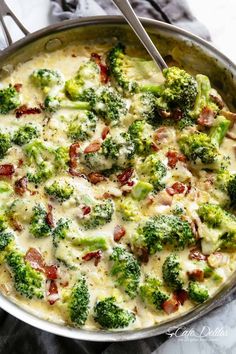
130	16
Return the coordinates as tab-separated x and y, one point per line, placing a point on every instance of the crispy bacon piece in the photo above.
176	114
34	257
196	274
103	68
7	170
18	87
181	296
93	147
217	100
105	132
73	153
86	210
174	157
161	134
171	305
195	253
206	118
142	254
177	188
25	110
53	295
15	224
119	232
96	254
49	216
154	147
125	176
51	272
21	186
164	114
96	177
20	163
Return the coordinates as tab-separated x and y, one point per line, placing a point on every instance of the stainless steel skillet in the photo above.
189	50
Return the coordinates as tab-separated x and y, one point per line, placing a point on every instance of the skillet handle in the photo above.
6	11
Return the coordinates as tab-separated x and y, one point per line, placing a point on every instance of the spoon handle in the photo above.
130	16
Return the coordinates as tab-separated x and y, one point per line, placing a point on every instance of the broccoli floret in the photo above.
110	105
218	229
231	187
128	208
87	78
172	272
61	230
160	230
6	244
219	130
153	171
59	191
100	215
133	74
78	302
203	98
151	292
5	144
9	99
110	148
46	78
25	134
91	243
141	190
27	281
144	106
199	147
179	89
126	270
3	222
43	173
111	316
38	225
54	103
197	292
62	158
83	126
140	133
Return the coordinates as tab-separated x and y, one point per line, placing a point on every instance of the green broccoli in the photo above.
126	270
160	230
100	215
144	107
231	187
172	272
151	293
61	230
3	222
133	74
61	192
53	103
203	98
153	171
6	244
83	126
197	292
78	302
111	316
199	147
128	208
110	148
46	78
38	225
5	144
27	281
141	190
219	130
25	134
140	134
91	243
62	158
218	229
9	99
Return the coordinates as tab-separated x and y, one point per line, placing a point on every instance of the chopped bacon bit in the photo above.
206	118
73	55
154	147
177	188
125	176
195	227
119	232
96	177
74	173
73	153
161	134
7	170
142	254
86	210
105	132
35	258
103	68
51	272
217	100
195	253
177	114
174	157
21	186
164	114
15	224
107	195
49	216
130	183
93	147
25	110
20	163
181	296
196	274
171	305
53	295
96	254
18	87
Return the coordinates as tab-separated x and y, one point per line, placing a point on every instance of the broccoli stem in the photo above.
219	130
75	105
